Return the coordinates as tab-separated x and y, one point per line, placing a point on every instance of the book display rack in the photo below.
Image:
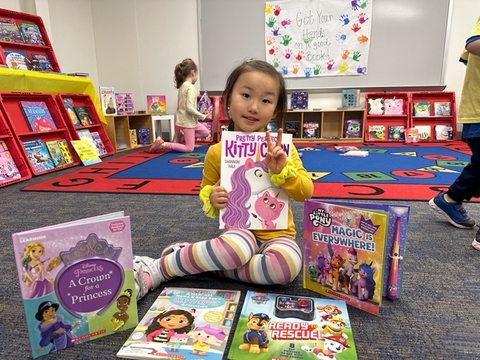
8	142
421	116
79	102
27	46
35	117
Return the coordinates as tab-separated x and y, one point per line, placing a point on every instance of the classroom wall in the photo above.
134	45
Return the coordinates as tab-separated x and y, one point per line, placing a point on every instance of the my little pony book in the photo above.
254	201
354	251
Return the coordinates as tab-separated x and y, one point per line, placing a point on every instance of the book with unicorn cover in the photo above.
255	202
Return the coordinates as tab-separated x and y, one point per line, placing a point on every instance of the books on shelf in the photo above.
255	202
272	126
411	135
99	145
31	33
40	62
350	98
310	130
76	281
133	138
375	106
124	103
64	148
107	100
292	128
38	155
299	100
376	133
38	116
86	152
157	104
442	108
396	132
9	31
352	128
350	251
83	115
56	153
424	132
205	105
443	132
290	327
393	106
143	136
8	167
16	59
69	106
199	325
208	125
421	108
87	135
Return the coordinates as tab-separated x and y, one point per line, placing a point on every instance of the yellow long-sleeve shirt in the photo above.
299	188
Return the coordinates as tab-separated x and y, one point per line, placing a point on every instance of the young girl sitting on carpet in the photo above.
255	94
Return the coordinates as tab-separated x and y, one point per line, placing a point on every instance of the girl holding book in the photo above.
186	75
255	94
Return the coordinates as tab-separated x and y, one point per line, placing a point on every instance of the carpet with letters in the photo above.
394	172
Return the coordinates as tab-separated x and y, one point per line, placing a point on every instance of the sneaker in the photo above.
476	241
174	247
143	264
455	213
159	144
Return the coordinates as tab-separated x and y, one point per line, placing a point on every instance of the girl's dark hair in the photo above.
266	68
182	71
155	325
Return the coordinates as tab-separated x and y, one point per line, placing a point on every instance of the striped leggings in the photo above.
236	254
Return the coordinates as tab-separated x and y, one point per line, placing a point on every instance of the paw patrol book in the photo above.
354	251
287	327
184	323
76	281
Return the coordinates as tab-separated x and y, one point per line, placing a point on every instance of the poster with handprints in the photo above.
312	38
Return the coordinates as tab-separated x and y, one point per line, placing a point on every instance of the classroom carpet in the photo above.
393	172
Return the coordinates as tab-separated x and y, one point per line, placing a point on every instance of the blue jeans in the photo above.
467	184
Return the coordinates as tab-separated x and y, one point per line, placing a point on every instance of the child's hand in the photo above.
219	196
276	158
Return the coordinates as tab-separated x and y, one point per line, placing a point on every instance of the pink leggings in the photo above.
190	134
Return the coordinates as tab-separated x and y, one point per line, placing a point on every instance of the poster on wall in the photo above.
312	38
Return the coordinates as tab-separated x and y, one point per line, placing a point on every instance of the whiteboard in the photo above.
407	49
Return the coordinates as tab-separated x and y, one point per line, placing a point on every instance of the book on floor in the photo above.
184	323
254	201
290	327
86	152
354	251
76	281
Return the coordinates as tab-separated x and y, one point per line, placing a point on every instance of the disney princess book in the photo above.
254	201
290	327
76	281
354	251
184	323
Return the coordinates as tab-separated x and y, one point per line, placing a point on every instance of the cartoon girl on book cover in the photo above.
167	323
35	272
53	330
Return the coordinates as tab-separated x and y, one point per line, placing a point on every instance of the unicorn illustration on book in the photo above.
253	198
